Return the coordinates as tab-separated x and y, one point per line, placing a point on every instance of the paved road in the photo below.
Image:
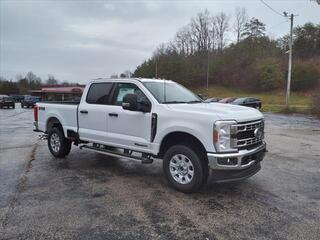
91	196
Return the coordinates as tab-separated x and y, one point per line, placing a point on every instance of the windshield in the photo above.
171	92
239	100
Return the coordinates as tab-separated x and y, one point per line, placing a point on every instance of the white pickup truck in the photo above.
146	119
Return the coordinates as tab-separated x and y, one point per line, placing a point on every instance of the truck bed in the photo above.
65	112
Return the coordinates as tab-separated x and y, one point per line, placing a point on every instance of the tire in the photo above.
22	106
58	145
193	172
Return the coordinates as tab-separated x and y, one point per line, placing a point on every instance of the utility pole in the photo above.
208	71
289	63
156	68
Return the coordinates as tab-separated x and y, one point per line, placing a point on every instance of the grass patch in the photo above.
271	101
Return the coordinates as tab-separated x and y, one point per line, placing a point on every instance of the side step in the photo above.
144	160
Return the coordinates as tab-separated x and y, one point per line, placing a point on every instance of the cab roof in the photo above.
131	79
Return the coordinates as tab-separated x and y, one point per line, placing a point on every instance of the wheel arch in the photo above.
53	122
180	137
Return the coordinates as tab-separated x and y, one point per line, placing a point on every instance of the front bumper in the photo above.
236	161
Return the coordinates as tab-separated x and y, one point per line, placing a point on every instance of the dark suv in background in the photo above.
6	101
248	102
29	101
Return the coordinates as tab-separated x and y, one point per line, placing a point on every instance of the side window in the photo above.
99	93
125	88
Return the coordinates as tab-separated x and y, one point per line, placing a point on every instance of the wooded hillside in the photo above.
252	61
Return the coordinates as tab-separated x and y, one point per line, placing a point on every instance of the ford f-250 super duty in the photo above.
146	119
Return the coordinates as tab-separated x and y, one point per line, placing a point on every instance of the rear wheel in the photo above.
184	168
59	146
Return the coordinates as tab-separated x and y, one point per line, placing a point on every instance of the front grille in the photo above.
249	134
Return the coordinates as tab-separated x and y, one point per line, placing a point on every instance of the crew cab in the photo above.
146	119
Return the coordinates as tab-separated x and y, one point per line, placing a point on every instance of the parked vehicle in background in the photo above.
17	98
29	101
248	102
227	100
214	99
146	119
6	101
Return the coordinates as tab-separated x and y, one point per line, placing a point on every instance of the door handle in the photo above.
113	114
84	111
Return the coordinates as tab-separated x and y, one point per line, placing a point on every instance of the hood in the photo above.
222	110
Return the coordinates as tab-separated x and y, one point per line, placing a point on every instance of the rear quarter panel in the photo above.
65	113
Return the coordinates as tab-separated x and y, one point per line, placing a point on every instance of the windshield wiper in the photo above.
169	102
195	101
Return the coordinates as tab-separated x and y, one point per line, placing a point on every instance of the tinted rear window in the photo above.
99	93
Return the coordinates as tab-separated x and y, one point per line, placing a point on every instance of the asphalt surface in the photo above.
91	196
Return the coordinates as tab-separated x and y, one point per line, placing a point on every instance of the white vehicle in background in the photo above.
146	119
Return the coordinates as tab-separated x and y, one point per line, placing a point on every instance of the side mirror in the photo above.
130	102
144	106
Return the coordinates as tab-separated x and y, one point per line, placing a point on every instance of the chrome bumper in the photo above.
236	161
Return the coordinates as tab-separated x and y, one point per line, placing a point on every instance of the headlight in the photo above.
222	136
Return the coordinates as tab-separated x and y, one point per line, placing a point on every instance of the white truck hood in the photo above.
222	110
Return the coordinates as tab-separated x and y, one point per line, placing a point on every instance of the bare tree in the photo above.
182	41
114	75
200	30
318	1
221	28
213	33
241	18
51	80
126	74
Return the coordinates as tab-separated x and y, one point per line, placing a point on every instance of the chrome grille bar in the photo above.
245	134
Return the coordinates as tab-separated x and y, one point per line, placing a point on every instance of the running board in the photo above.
116	154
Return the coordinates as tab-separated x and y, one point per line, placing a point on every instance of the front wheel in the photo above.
59	146
184	168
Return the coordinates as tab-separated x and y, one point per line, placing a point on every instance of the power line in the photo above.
278	24
275	11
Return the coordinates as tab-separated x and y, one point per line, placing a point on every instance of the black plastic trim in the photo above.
154	121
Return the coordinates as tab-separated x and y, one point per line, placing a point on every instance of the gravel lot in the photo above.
91	196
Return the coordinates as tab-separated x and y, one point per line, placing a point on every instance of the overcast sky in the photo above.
80	40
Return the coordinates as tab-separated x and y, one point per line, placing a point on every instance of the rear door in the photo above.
93	113
129	129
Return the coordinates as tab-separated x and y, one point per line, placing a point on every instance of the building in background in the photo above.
59	93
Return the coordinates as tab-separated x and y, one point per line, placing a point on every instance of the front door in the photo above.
130	129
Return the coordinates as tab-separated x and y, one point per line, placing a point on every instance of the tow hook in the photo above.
43	137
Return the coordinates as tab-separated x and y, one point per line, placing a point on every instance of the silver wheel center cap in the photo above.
181	169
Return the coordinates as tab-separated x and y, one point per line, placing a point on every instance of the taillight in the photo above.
35	112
